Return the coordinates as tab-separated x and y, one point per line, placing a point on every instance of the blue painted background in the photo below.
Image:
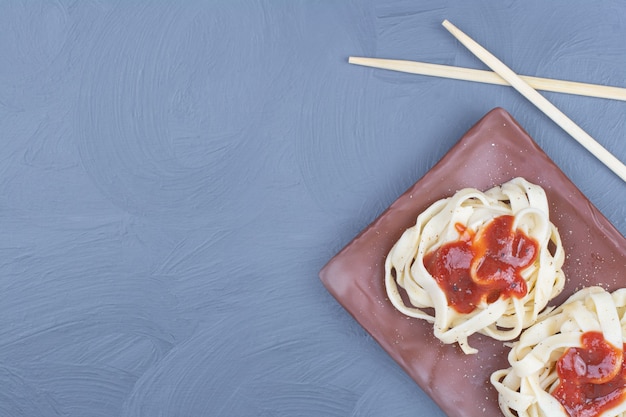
173	175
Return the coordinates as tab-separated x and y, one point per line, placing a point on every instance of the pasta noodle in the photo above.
526	388
465	214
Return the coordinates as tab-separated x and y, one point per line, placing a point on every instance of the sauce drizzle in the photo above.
592	378
482	266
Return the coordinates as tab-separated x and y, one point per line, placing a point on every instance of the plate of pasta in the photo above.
514	240
484	262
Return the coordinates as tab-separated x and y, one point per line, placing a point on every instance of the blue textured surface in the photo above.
173	175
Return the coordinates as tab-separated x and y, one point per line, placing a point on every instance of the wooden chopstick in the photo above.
489	77
540	101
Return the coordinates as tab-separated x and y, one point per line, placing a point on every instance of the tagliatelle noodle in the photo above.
505	318
525	388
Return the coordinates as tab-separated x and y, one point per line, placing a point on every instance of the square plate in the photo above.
493	151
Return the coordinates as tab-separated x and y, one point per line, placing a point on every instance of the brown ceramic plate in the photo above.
494	151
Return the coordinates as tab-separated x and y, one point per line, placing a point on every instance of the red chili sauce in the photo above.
482	266
592	378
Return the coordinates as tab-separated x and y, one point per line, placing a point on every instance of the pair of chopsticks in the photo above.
526	86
